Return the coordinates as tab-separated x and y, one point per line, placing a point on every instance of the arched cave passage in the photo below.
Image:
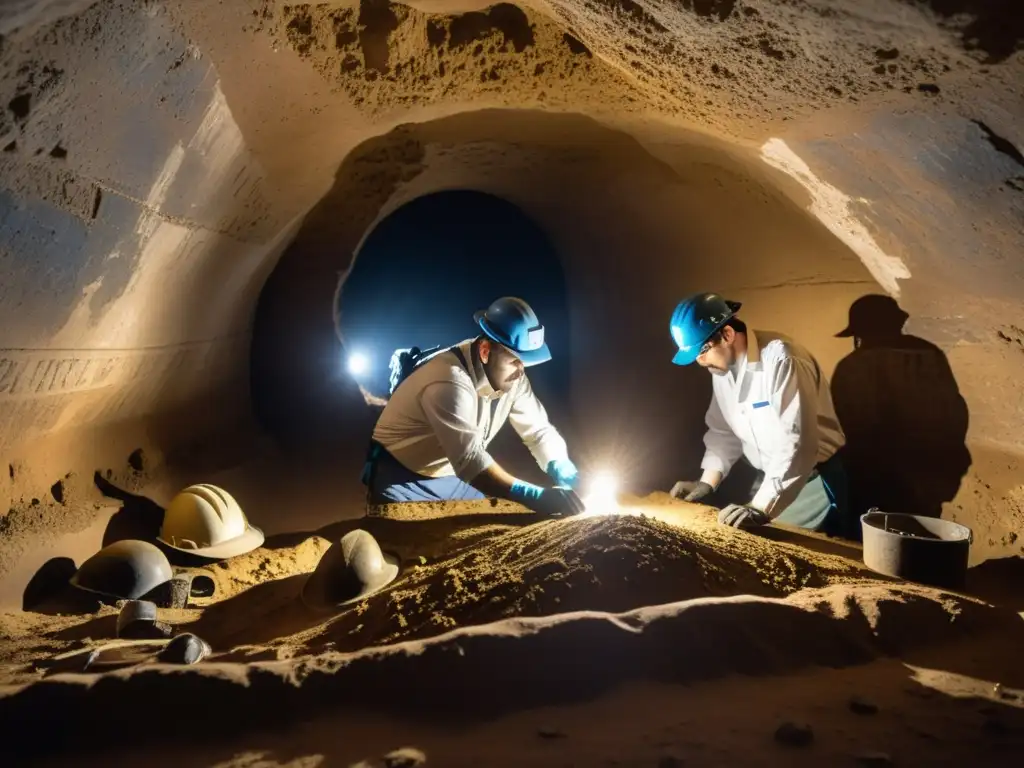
636	223
423	271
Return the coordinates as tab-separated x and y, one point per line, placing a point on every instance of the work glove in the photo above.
740	516
549	502
687	490
564	472
558	502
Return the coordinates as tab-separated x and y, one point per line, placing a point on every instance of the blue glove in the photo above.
739	516
550	502
563	472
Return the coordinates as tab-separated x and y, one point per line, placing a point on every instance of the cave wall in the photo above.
159	157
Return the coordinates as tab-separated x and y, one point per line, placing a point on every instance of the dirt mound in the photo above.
492	572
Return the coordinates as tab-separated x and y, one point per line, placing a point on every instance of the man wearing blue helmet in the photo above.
430	443
770	404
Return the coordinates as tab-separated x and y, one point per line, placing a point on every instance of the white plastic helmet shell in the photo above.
202	516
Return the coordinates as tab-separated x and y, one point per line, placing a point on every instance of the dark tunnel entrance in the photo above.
425	269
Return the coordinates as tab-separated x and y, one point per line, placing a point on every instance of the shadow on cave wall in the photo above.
995	27
902	412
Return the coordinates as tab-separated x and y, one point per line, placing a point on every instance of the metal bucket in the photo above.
922	549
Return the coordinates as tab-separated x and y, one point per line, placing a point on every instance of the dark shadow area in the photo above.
50	580
902	412
68	601
1000	582
994	27
817	542
100	628
138	518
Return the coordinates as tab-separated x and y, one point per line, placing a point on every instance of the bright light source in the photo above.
358	363
602	494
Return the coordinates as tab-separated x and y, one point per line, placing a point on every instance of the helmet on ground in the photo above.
512	323
124	570
205	520
695	320
350	570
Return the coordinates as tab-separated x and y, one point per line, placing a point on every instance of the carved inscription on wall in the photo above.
41	391
30	374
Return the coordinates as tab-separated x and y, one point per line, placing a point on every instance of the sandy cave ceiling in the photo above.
160	158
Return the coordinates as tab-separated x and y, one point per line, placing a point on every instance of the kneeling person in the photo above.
770	404
430	443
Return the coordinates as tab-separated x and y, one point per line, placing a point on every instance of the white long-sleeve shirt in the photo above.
776	410
442	418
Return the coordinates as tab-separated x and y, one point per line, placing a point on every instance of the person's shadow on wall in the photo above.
901	409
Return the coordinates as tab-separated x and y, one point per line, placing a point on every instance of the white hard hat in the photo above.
205	520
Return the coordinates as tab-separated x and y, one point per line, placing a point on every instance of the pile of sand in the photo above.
608	564
469	570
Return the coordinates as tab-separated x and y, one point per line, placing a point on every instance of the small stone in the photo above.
874	760
794	734
550	733
861	706
406	757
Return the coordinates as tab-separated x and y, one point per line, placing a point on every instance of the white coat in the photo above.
441	419
776	410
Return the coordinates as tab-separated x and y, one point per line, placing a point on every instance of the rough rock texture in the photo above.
159	157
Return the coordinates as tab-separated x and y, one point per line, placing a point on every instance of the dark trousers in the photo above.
390	482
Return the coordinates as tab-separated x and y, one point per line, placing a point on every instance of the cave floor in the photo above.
927	660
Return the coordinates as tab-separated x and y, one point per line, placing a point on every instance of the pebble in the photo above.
874	760
406	757
794	734
550	733
861	706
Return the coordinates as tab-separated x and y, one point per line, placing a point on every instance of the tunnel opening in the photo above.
423	271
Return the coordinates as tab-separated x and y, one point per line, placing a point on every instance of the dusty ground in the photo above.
455	627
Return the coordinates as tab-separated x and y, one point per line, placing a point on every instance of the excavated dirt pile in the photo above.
459	571
468	570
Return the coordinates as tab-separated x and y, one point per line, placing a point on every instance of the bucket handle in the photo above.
885	522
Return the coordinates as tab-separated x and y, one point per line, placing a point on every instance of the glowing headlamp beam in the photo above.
358	363
602	494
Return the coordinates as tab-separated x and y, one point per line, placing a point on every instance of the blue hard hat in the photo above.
695	320
512	323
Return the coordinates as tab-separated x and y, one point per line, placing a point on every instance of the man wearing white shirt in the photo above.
430	443
771	405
